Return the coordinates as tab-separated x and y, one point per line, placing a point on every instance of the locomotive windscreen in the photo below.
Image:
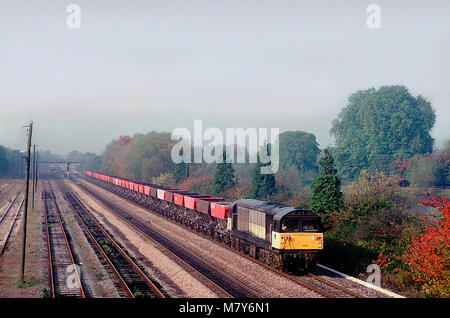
299	224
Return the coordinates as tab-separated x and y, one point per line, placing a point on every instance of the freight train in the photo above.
281	236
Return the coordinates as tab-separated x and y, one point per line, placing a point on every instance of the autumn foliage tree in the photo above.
428	255
114	157
424	169
202	184
141	157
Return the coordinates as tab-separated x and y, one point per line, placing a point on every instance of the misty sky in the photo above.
137	66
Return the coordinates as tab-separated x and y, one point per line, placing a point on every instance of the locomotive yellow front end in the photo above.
298	237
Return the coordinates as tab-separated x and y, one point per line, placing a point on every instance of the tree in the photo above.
442	171
224	178
378	126
113	158
5	161
89	160
422	170
299	149
141	157
263	186
181	170
150	155
326	195
428	255
165	179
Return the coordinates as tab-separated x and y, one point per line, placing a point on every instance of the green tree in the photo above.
326	195
141	157
224	178
181	170
89	160
5	161
299	149
165	179
378	126
442	169
263	186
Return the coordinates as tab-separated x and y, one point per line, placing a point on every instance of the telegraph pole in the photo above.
34	175
24	222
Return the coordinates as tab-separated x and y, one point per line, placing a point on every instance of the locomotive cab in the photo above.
297	230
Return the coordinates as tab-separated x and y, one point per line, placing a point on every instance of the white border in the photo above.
381	290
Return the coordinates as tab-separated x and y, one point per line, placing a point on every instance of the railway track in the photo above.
9	208
228	285
132	280
331	290
64	274
334	289
5	228
312	282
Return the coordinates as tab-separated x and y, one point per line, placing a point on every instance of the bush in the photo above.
164	179
363	199
375	226
237	192
428	255
201	185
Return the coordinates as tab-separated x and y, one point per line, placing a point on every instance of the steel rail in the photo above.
63	231
9	208
336	286
49	250
74	200
129	260
122	283
11	228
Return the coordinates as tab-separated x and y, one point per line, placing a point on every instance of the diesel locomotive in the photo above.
278	235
